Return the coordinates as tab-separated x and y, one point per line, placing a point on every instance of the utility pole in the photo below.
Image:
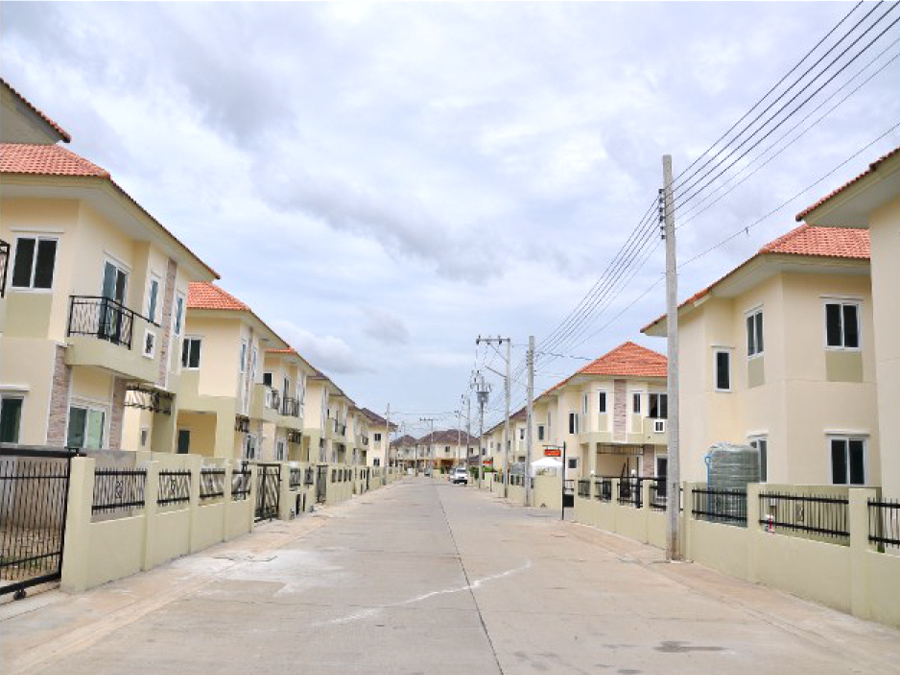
673	469
468	428
458	430
506	388
387	439
529	361
482	390
430	444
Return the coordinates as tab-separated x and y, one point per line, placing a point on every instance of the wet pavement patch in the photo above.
680	647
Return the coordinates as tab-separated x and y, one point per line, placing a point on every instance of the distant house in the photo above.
779	354
610	414
871	201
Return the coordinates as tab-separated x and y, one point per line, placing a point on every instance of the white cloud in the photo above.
328	353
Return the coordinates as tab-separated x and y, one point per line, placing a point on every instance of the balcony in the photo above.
290	407
265	403
101	332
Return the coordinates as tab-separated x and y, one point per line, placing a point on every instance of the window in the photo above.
723	370
184	441
540	432
152	295
636	404
34	263
10	418
521	434
842	325
267	379
253	366
376	437
659	406
190	353
601	401
179	313
250	447
376	462
584	404
243	355
848	460
145	436
573	423
755	332
573	462
86	426
761	443
279	451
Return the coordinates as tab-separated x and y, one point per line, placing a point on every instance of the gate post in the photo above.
195	462
285	503
151	507
80	499
251	512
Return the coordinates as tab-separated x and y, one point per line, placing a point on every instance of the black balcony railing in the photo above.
630	492
290	407
102	318
603	489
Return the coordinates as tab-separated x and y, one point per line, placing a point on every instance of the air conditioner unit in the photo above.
659	426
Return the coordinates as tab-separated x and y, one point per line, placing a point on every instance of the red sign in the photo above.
552	452
488	460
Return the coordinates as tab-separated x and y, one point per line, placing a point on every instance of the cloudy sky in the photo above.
384	182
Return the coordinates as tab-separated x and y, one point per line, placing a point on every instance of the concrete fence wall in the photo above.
104	547
854	578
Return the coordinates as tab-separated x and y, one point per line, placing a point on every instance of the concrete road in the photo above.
425	577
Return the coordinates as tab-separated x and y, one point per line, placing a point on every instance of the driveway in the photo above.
426	577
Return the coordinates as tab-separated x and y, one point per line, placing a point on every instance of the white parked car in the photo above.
460	475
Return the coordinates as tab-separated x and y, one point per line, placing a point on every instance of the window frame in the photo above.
573	423
89	407
602	408
153	298
753	441
755	338
37	237
636	402
726	351
841	303
847	438
540	432
185	364
659	398
21	399
178	314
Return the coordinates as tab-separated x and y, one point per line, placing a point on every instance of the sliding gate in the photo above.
34	490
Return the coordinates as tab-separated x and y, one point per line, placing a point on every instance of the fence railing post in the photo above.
858	524
645	507
286	499
194	462
251	498
227	499
151	508
75	560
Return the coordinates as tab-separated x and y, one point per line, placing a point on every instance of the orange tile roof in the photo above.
203	295
831	242
627	360
872	168
63	134
46	160
53	160
806	240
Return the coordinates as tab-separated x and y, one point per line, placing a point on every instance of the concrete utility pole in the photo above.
482	390
387	438
458	430
673	474
468	428
430	444
506	388
529	361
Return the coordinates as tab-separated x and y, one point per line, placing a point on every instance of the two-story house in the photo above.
379	443
778	354
93	310
284	377
225	406
610	414
450	448
404	449
871	201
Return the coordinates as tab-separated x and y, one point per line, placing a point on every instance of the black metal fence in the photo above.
103	318
584	488
240	483
212	483
603	489
174	487
118	490
884	522
824	515
728	507
630	492
658	499
295	478
34	487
